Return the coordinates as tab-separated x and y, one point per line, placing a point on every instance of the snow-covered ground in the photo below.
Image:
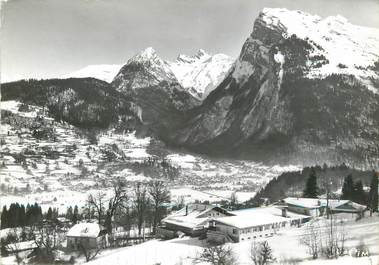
285	247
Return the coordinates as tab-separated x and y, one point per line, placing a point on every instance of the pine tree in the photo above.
69	213
49	215
4	217
348	188
75	217
373	195
311	189
22	216
27	214
359	194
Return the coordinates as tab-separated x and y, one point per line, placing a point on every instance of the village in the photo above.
118	221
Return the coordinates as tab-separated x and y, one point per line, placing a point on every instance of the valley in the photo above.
64	167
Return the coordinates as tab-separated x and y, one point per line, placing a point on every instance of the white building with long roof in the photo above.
248	224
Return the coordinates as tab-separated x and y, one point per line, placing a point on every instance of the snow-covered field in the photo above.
285	247
64	169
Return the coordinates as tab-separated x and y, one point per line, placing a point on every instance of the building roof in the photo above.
257	219
258	216
314	202
192	215
21	246
85	230
333	204
272	210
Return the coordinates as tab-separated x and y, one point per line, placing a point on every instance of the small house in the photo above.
88	235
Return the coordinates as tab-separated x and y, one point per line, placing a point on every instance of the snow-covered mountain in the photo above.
198	74
202	72
160	101
303	90
143	70
105	72
338	47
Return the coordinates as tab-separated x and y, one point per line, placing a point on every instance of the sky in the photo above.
50	38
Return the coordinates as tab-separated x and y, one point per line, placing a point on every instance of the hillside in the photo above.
83	102
293	183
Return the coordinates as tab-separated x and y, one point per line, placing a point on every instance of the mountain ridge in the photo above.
255	111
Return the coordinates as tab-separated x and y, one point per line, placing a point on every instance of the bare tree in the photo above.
334	238
261	253
311	238
97	202
105	209
341	238
217	255
47	239
117	201
141	204
159	195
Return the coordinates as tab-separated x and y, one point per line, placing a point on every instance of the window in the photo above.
235	231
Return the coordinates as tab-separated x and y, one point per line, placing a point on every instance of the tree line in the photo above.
351	190
294	183
19	215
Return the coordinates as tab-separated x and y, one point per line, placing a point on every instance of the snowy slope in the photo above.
285	245
202	72
105	72
348	48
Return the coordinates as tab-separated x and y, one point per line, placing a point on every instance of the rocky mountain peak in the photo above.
145	69
293	93
331	39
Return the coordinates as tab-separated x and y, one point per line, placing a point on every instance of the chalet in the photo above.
317	207
89	235
248	224
191	220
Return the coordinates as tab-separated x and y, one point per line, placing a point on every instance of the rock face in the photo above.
292	98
